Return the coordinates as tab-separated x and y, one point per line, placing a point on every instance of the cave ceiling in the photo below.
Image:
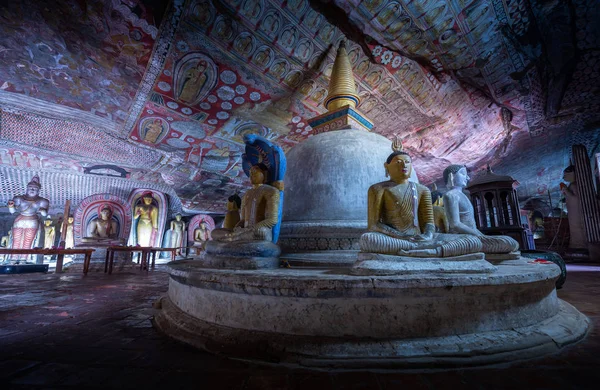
163	92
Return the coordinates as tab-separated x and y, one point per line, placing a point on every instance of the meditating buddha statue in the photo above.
233	212
259	212
461	217
103	228
201	235
400	217
251	244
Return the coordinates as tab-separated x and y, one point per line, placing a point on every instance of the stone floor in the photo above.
95	332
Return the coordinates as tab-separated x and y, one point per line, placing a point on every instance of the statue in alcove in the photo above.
201	235
26	225
103	228
146	214
69	238
177	232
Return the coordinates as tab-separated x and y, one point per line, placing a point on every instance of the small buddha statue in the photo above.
49	234
259	211
26	225
439	215
201	235
177	232
5	241
461	217
233	212
103	227
400	217
69	238
146	214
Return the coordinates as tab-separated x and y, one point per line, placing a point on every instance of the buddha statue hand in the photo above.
426	236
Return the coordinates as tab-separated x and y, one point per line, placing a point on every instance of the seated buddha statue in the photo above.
232	217
102	229
400	217
259	211
461	217
201	235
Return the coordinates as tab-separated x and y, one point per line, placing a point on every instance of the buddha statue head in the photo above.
398	165
33	188
234	202
569	174
147	198
105	213
70	219
259	174
456	176
48	222
178	217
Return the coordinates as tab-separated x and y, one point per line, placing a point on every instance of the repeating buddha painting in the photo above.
195	75
153	129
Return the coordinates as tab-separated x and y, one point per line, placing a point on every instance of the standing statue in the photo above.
461	216
577	233
400	217
26	225
233	212
146	215
49	234
69	238
177	232
103	227
5	241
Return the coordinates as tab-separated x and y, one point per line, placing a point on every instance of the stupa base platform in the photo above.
330	319
379	264
245	255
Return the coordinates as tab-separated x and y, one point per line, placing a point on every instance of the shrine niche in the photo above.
194	76
149	209
90	210
199	229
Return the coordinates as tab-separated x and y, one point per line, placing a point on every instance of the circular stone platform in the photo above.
329	318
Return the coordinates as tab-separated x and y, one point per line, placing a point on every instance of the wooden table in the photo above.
153	251
87	252
110	255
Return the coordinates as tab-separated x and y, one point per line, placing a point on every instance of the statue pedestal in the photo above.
241	255
122	261
379	264
330	319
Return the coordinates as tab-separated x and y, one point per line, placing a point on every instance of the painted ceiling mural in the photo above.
178	83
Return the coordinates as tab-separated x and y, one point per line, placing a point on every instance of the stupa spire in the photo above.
342	90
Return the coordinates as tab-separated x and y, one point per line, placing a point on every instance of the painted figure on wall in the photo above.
177	232
194	80
49	234
385	17
270	24
146	214
153	129
103	227
26	225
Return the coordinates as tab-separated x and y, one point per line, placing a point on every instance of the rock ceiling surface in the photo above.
163	92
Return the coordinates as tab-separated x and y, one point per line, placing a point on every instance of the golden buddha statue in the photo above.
461	217
147	215
201	235
69	238
400	217
233	212
49	234
259	211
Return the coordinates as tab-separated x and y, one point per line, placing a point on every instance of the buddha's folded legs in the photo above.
380	243
442	245
498	244
247	234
